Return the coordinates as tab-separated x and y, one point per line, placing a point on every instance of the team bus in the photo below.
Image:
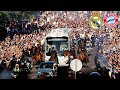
59	39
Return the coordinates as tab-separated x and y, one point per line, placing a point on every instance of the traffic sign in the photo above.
76	65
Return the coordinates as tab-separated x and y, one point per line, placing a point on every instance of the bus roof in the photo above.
58	32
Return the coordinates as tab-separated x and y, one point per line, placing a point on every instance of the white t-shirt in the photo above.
0	61
48	19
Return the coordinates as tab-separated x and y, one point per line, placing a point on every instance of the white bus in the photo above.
59	39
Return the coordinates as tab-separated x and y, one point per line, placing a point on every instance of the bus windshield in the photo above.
60	45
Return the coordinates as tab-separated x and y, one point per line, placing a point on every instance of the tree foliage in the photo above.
6	16
3	19
18	15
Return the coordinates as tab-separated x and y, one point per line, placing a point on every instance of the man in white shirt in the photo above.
0	61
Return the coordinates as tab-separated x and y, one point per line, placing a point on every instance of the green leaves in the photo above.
16	15
7	16
3	19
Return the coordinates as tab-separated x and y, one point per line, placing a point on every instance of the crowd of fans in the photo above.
21	39
24	36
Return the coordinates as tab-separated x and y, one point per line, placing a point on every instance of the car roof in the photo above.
49	62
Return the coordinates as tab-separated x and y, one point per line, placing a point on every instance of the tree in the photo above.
19	15
4	20
7	16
